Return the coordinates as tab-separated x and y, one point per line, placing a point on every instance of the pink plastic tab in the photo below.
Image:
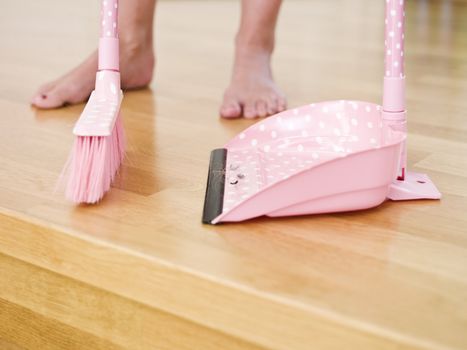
415	186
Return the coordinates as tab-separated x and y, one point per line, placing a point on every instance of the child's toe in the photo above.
48	100
249	111
281	104
231	108
42	91
272	105
261	108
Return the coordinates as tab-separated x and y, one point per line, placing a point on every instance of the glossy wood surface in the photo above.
140	271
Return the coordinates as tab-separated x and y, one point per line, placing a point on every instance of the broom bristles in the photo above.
93	164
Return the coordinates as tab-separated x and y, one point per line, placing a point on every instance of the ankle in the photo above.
136	42
252	55
255	42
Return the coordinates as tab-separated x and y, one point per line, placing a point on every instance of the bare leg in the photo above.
136	59
252	91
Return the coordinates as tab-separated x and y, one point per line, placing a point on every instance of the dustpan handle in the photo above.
108	42
394	110
394	39
394	78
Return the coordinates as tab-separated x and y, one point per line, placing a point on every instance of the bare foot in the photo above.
252	91
136	67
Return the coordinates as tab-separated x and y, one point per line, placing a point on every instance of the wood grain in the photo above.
46	310
140	271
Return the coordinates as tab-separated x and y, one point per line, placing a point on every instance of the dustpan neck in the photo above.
394	110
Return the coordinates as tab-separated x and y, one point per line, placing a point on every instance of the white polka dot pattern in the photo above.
296	140
109	18
394	43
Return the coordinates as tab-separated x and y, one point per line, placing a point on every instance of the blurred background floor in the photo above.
139	271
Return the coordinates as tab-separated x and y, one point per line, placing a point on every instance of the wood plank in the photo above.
45	310
391	277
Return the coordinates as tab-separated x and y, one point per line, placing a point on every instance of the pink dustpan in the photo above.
324	157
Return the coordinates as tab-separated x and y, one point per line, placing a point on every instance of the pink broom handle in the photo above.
394	79
108	42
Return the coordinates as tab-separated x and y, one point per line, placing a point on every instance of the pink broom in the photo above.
99	147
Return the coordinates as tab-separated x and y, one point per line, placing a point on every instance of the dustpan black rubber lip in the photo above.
214	198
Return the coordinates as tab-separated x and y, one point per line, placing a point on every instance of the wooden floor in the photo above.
140	271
